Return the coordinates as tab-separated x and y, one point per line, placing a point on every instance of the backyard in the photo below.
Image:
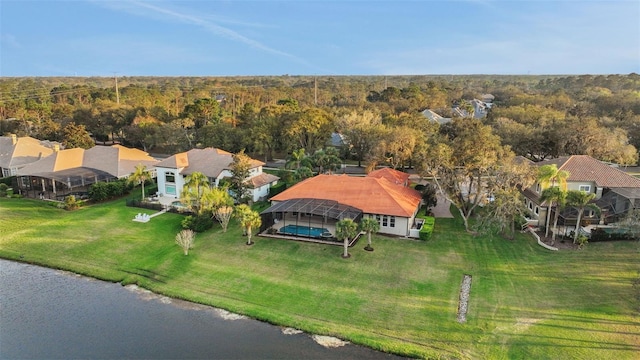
525	301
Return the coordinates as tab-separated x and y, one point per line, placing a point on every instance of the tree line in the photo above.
378	117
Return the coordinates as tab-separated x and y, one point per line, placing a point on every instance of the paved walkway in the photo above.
442	209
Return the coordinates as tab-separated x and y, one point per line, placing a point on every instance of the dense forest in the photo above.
379	117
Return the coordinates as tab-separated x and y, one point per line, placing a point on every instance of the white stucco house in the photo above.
213	163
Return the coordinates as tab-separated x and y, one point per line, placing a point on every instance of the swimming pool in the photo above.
307	231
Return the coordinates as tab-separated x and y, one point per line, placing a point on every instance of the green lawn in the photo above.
526	302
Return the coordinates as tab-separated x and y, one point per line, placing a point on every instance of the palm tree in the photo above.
557	198
548	176
241	211
369	225
140	175
346	229
249	221
194	190
195	181
580	200
302	173
297	159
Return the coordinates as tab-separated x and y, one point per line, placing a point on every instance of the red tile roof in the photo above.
369	194
395	176
585	168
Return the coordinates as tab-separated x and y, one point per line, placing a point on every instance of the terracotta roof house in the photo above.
215	164
73	170
325	199
616	191
394	176
16	152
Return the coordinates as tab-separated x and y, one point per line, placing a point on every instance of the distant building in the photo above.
432	116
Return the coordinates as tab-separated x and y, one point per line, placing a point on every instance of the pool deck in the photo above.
309	239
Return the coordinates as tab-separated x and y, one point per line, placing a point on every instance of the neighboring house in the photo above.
394	176
432	116
488	98
616	191
480	109
74	170
330	198
337	140
214	164
17	152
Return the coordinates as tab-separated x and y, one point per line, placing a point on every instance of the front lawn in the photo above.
525	301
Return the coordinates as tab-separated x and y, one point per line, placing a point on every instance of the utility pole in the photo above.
115	75
315	92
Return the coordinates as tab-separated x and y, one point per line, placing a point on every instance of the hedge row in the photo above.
277	188
599	234
101	191
427	227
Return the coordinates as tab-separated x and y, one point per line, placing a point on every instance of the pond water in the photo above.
51	314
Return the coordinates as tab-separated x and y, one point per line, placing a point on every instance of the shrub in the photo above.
70	203
197	223
3	189
98	192
599	234
101	191
7	180
278	188
427	227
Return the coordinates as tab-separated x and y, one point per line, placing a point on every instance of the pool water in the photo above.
307	231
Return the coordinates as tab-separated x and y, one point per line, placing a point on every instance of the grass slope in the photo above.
526	302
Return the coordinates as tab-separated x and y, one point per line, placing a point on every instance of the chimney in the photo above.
14	139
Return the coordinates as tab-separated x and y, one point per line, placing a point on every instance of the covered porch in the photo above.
59	184
311	220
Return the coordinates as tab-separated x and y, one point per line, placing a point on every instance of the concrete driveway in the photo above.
442	209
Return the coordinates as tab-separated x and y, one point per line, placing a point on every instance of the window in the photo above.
585	188
24	182
170	189
385	220
530	206
538	187
392	221
170	178
537	211
378	220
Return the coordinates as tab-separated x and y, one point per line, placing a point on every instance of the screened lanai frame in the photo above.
326	209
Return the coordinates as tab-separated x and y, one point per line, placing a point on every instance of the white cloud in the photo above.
204	22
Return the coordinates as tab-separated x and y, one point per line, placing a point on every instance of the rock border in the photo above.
463	303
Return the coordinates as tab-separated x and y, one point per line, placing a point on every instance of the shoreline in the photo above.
150	295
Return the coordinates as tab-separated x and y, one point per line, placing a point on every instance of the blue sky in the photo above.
214	38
